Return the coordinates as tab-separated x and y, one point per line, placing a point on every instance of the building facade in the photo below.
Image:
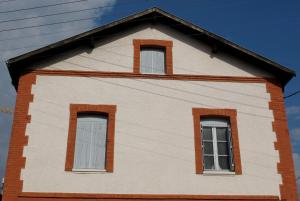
142	109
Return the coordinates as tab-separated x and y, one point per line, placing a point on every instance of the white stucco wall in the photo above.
154	136
189	56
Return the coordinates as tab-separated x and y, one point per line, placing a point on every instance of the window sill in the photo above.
88	171
214	173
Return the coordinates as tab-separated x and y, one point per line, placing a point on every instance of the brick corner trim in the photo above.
110	110
231	114
16	161
288	188
138	43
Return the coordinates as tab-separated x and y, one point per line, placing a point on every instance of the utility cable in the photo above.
43	6
292	94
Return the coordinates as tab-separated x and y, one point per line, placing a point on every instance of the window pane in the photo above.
146	61
90	146
224	162
207	133
209	163
158	61
223	148
222	134
208	147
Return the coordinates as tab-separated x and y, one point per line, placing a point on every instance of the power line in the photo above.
50	33
164	95
41	25
129	67
53	14
57	22
292	94
44	34
43	6
95	37
59	13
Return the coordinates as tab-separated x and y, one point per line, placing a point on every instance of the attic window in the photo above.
153	57
153	60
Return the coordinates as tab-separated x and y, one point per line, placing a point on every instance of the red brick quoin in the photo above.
15	161
288	188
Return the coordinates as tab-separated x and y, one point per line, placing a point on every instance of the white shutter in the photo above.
230	150
90	146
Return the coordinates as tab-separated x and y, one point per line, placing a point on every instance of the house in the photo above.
149	107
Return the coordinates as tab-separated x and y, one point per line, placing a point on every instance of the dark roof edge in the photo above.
168	15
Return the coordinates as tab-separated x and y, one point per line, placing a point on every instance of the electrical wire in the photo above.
48	15
292	94
163	95
43	6
44	34
95	37
66	12
41	25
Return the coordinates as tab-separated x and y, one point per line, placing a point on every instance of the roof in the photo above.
17	64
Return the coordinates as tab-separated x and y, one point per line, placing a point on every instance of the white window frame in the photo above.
213	124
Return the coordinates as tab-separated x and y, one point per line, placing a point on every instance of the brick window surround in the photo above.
167	45
75	109
231	114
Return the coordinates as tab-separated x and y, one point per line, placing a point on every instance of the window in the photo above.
216	144
153	57
90	145
152	60
91	138
216	140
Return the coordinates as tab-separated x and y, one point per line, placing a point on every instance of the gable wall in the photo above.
189	56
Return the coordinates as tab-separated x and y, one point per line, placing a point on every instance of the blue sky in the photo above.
267	27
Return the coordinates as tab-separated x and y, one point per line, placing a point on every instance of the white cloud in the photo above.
41	37
293	110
